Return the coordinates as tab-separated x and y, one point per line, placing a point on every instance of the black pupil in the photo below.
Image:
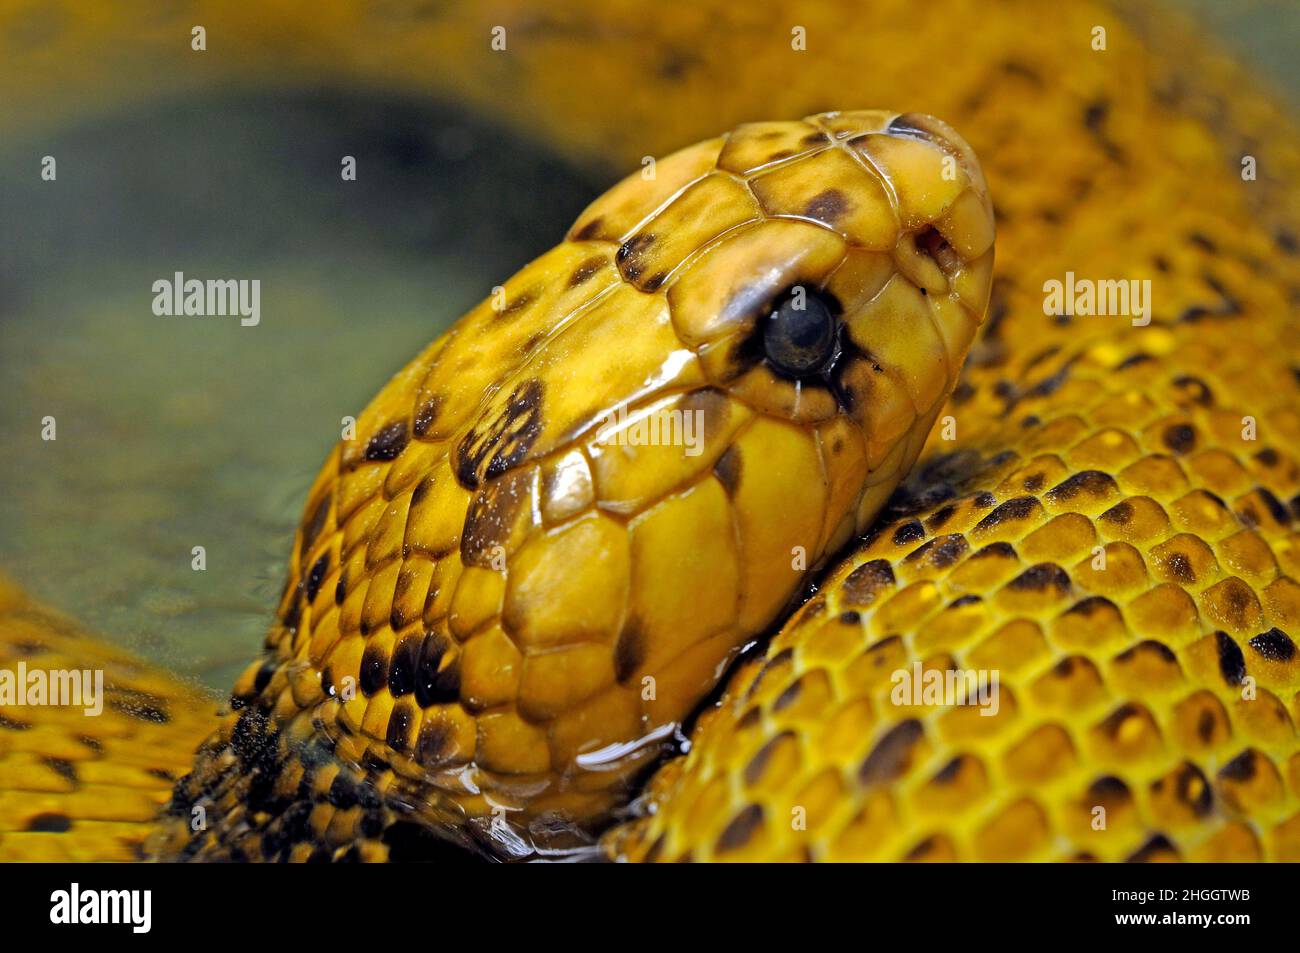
799	335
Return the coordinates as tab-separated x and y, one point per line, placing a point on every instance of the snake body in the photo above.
1106	520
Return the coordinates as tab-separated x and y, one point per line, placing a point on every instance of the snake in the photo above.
519	622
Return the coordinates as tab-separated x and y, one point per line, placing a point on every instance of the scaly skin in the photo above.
80	787
1117	690
499	602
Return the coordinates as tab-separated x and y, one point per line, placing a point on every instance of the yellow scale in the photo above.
1163	690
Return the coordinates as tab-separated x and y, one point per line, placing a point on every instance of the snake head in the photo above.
562	521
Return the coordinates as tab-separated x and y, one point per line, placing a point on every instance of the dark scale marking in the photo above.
1088	482
1268	457
1205	726
1115	721
926	847
341	590
434	742
515	305
426	415
629	255
776	661
343	793
399	728
293	614
1034	483
589	231
969	599
372	824
1040	578
630	650
1121	514
827	206
812	610
491	514
1133	360
312	527
1241	768
889	759
754	769
1109	789
374	669
1086	607
1159	844
941	516
263	677
1024	71
586	269
862	585
374	763
1274	645
1019	508
983	500
388	442
1180	438
317	576
432	684
489	449
64	769
249	736
403	665
789	696
1232	664
142	707
1149	647
940	552
49	823
1239	599
1196	389
950	771
729	468
1180	568
738	833
1274	506
908	532
1001	550
1192	788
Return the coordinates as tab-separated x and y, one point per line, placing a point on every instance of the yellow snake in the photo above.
498	612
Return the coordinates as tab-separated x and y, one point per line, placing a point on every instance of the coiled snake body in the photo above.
497	610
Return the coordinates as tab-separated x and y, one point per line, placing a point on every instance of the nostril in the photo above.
931	243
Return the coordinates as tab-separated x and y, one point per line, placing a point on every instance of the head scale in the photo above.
559	523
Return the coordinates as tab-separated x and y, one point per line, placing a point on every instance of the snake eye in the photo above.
799	334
